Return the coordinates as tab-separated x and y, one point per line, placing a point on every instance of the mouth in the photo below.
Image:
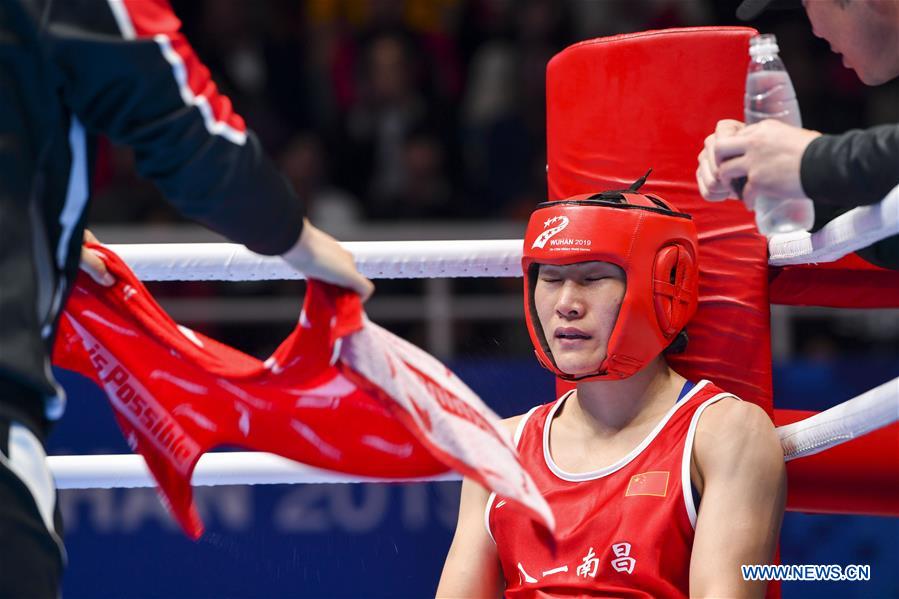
570	334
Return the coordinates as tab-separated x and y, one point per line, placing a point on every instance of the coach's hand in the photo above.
93	264
319	256
708	178
767	155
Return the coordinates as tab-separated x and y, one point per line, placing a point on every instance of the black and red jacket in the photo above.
73	69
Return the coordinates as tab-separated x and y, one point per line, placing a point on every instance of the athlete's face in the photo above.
864	32
577	305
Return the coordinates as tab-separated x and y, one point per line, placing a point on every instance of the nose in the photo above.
570	303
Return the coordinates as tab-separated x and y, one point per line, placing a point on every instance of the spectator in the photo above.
305	165
425	190
498	146
391	104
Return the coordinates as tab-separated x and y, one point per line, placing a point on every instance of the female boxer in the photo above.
661	487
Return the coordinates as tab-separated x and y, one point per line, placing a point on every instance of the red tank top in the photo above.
625	530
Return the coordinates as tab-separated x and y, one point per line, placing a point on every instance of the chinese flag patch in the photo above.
648	483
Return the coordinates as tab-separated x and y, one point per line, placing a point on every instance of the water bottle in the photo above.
770	95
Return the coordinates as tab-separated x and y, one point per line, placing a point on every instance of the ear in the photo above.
672	274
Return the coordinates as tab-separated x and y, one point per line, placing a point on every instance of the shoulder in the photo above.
514	423
732	416
511	424
732	431
473	493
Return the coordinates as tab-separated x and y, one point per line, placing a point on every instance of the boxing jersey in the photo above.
625	530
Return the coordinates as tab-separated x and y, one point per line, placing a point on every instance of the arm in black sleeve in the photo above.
841	172
856	168
130	74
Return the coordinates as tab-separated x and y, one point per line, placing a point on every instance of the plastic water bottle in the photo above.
770	95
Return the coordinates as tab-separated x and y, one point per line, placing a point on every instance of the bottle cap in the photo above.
763	45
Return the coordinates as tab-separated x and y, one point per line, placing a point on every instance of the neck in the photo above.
607	407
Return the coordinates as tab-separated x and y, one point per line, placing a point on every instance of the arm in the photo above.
126	71
856	168
472	566
130	73
742	476
838	172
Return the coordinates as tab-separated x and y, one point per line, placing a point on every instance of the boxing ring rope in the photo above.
871	410
854	230
231	468
847	233
374	259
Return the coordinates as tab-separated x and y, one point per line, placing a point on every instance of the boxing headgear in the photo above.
653	243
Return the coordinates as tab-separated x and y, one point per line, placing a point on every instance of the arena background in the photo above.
420	119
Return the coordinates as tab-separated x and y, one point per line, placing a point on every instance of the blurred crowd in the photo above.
431	109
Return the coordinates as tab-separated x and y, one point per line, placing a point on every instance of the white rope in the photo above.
854	230
874	409
869	411
231	468
375	259
845	234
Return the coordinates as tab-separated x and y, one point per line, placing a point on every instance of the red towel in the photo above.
340	393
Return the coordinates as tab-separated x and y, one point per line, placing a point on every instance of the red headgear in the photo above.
650	240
